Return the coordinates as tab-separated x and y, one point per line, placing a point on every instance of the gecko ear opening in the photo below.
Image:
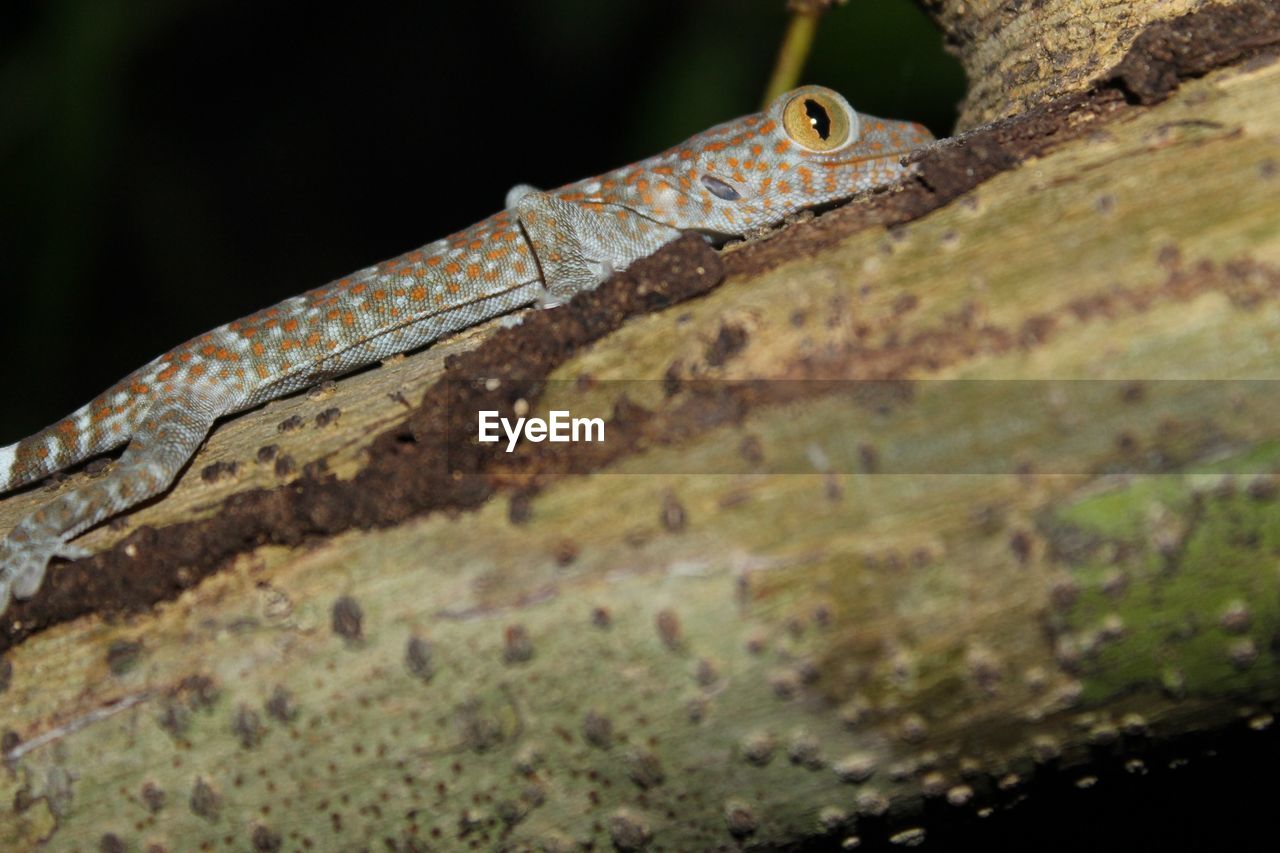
819	120
719	188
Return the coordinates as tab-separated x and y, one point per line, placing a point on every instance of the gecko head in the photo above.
808	148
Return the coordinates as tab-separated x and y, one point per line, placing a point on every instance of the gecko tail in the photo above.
99	426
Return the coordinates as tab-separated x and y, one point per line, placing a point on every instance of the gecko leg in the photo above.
580	245
163	443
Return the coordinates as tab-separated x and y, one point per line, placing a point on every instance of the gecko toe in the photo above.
68	551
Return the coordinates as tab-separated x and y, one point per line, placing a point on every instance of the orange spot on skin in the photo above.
520	267
715	146
167	373
767	127
67	428
433	261
475	245
378	295
140	388
289	325
43	452
249	332
358	289
196	371
313	339
453	268
259	349
492	275
510	236
757	150
784	187
264	372
348	318
452	287
661	170
418	292
496	254
782	147
208	350
473	270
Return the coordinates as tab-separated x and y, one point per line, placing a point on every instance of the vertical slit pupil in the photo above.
818	117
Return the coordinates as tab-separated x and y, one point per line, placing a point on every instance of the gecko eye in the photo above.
719	188
818	121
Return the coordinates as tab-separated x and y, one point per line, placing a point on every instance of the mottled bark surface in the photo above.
762	612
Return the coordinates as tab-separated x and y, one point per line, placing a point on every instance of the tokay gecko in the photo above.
807	148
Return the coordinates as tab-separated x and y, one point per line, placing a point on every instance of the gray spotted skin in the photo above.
540	250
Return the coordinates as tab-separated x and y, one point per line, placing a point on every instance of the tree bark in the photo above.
913	499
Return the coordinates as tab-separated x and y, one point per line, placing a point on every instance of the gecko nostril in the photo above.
719	188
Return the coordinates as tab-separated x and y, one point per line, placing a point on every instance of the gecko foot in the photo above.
23	565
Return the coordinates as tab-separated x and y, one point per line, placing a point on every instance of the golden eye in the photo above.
817	120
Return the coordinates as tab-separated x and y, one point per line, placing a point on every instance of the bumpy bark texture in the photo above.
762	611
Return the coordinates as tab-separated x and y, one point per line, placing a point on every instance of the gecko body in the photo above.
808	147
